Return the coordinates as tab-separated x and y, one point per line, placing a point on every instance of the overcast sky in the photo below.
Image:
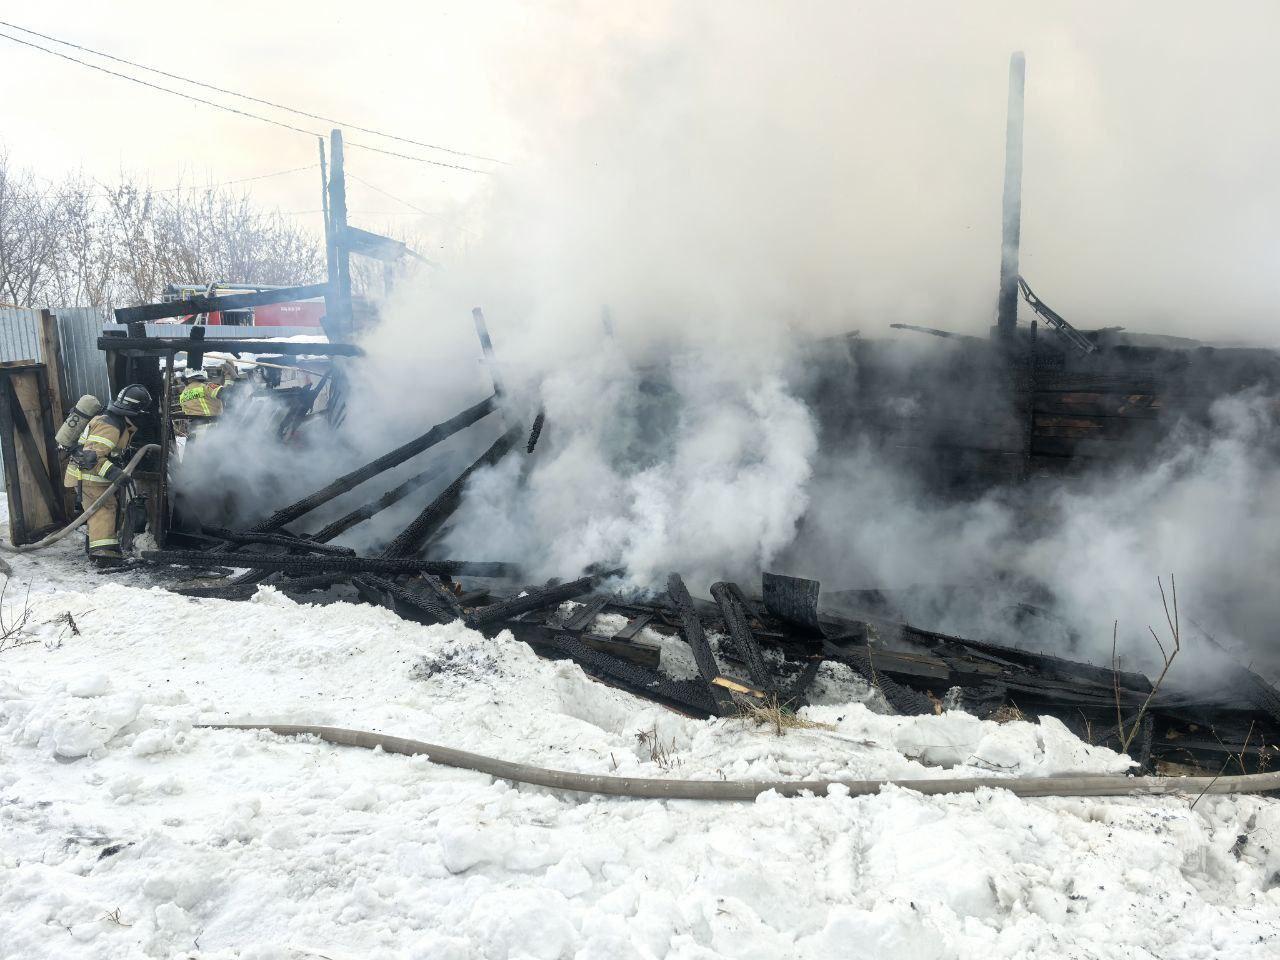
850	154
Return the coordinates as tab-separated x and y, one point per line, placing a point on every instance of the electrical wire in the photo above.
245	96
389	196
230	109
214	186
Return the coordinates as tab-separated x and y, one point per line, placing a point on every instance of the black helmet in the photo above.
131	401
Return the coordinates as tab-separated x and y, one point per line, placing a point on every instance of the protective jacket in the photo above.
201	400
102	443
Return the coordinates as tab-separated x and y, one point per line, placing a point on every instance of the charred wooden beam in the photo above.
348	481
234	301
244	591
288	563
544	635
536	431
428	604
278	540
439	510
691	630
744	641
373	508
689	696
1007	300
157	346
532	600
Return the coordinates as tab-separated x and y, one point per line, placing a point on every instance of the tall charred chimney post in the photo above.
1007	303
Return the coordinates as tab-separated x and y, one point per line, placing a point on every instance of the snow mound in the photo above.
127	832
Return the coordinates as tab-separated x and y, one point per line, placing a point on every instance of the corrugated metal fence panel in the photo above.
18	333
84	364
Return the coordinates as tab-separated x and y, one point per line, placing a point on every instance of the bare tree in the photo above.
79	243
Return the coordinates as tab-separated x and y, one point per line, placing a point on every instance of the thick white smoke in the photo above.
713	473
733	180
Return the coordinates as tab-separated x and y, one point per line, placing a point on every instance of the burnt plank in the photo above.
633	627
744	641
585	615
692	632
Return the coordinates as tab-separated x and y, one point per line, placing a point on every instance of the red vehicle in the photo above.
297	313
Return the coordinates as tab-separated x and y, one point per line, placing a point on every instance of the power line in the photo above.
230	109
245	96
390	196
226	183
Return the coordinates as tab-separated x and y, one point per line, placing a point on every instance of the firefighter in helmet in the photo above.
199	398
95	464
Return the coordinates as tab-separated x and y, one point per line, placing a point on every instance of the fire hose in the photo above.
94	507
1071	785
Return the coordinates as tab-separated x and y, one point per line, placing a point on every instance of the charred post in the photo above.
1011	219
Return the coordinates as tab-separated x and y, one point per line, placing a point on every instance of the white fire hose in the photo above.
1083	785
97	505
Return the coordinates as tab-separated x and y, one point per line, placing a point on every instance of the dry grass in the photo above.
663	754
770	713
14	623
1008	713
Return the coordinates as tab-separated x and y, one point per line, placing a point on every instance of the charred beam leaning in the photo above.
436	434
735	621
439	510
393	496
288	563
691	630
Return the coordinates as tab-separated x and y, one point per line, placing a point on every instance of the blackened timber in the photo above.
243	591
798	695
392	496
744	641
634	627
441	431
532	600
235	301
443	595
155	346
373	245
425	603
691	630
585	616
536	431
288	563
278	540
439	510
686	695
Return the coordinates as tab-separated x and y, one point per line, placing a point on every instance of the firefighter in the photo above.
95	463
199	398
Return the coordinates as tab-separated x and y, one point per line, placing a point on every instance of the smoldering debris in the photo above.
908	474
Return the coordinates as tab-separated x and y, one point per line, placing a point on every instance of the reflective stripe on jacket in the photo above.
201	400
105	435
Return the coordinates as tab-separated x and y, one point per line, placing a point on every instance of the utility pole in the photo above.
1007	302
338	300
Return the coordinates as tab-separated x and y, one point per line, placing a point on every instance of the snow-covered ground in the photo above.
124	832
